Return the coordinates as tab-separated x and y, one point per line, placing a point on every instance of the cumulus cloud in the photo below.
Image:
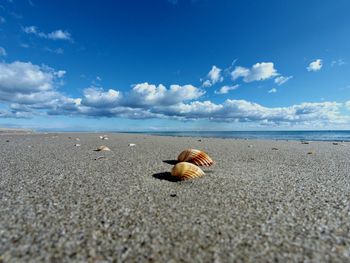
281	80
96	97
145	94
259	71
2	52
54	35
29	89
226	89
315	65
273	90
26	78
214	76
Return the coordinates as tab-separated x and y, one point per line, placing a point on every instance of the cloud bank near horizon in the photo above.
29	90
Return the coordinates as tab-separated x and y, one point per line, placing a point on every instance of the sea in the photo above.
339	136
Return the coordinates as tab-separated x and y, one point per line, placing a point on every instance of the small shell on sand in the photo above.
275	149
77	145
195	156
104	137
132	144
184	171
102	148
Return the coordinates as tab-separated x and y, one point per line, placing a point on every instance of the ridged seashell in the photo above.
102	148
185	170
195	156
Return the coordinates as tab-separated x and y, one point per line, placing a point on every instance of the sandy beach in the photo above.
263	201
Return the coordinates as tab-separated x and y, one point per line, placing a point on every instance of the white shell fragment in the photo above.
77	145
102	148
132	144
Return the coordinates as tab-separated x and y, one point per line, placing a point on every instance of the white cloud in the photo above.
281	80
226	89
2	20
58	51
54	35
259	71
29	89
338	62
207	83
25	77
214	76
96	97
315	65
59	35
240	72
2	52
145	94
347	104
273	90
32	86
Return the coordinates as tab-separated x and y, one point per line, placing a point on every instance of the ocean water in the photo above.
265	135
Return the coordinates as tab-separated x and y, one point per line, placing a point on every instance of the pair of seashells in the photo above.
189	160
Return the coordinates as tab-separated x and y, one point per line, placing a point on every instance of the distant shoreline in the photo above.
317	135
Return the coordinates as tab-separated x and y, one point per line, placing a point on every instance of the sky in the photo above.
175	65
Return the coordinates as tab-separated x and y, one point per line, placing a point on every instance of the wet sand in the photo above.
263	201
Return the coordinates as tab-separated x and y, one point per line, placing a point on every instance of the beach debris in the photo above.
335	143
173	195
99	157
310	152
7	140
102	148
303	142
185	170
77	145
275	149
250	146
77	139
199	140
197	157
132	144
103	137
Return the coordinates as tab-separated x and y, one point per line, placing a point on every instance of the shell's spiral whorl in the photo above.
197	157
185	171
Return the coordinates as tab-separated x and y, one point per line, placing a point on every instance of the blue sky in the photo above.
175	65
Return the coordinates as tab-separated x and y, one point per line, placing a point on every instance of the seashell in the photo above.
185	170
102	148
104	137
77	145
195	156
132	144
